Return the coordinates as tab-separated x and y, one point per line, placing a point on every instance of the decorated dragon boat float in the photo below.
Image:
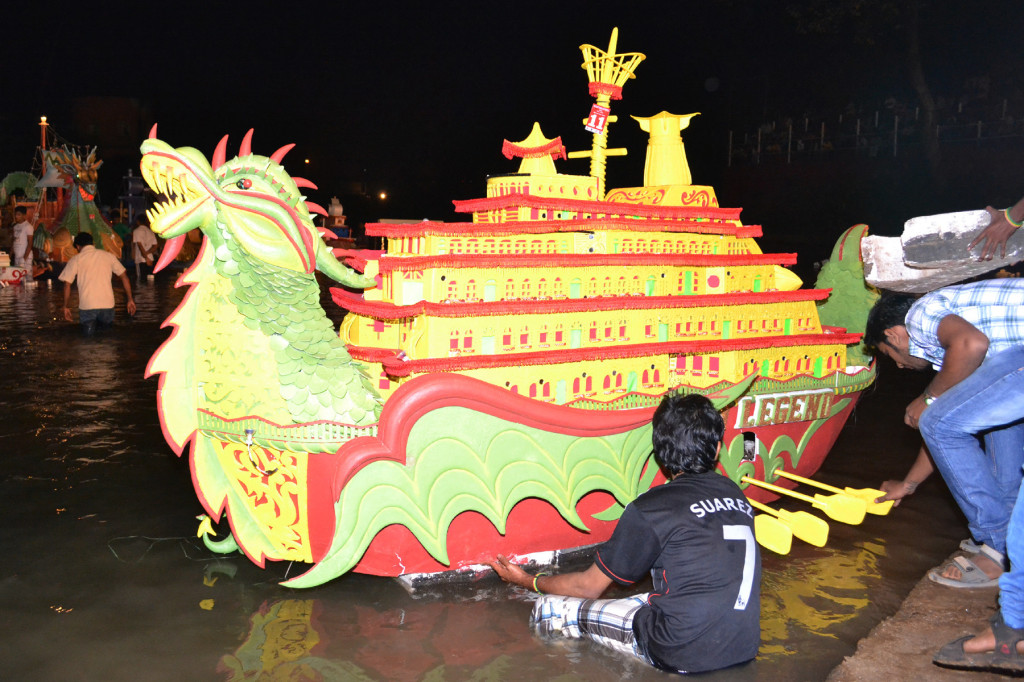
60	202
492	383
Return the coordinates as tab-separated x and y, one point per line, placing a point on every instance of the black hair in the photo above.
83	238
687	431
20	209
889	311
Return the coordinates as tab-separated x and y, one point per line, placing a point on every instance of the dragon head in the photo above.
82	172
250	199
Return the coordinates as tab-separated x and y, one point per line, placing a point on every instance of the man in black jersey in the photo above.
695	535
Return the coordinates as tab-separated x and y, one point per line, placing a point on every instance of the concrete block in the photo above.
940	241
932	253
884	268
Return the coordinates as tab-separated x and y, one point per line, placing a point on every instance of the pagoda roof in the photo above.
400	366
535	145
559	260
383	310
610	208
429	227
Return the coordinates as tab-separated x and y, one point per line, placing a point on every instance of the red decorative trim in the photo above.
557	260
598	208
400	368
372	354
429	228
846	235
596	88
389	311
423	394
553	148
274	425
356	258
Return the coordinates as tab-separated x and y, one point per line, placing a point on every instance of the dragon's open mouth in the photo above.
184	195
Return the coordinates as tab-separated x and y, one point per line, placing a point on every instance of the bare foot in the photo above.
987	565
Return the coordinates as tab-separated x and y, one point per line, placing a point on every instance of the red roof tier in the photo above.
610	208
553	148
428	227
558	260
400	366
381	310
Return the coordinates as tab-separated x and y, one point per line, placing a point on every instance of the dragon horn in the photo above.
279	154
246	148
315	208
152	132
303	182
220	153
171	250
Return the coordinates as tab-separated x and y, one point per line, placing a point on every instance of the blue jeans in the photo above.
986	407
1011	584
95	317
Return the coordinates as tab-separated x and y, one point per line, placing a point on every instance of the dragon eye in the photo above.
245	183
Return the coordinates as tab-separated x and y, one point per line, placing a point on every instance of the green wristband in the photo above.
535	588
1010	220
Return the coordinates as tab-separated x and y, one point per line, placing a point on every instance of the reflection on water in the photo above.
290	639
462	633
102	577
815	595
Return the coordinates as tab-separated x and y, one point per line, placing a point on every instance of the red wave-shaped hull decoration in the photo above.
533	525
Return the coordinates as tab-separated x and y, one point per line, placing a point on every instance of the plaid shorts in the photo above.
609	622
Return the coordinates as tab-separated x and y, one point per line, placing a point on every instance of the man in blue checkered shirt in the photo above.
971	415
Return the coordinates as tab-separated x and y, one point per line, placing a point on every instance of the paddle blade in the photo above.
842	508
772	534
807	527
869	495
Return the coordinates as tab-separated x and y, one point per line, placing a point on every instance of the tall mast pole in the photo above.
607	71
42	141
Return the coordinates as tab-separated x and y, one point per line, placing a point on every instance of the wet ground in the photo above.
102	577
902	647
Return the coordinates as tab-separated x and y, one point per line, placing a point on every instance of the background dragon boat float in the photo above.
493	381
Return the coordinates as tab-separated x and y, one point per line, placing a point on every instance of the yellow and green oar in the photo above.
773	534
838	507
869	495
807	527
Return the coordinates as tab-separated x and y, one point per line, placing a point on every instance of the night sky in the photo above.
417	98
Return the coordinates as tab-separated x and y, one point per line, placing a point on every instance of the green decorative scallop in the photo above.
488	468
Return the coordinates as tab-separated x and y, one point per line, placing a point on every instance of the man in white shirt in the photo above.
22	245
93	268
144	246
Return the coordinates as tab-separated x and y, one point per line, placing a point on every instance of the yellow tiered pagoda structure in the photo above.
565	296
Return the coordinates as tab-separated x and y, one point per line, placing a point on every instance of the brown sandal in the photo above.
1004	657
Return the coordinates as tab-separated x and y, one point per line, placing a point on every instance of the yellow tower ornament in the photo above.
607	71
666	157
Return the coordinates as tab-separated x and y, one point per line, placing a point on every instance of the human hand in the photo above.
914	410
509	572
67	313
895	491
995	235
131	307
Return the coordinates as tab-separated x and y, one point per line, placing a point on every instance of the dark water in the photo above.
102	577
